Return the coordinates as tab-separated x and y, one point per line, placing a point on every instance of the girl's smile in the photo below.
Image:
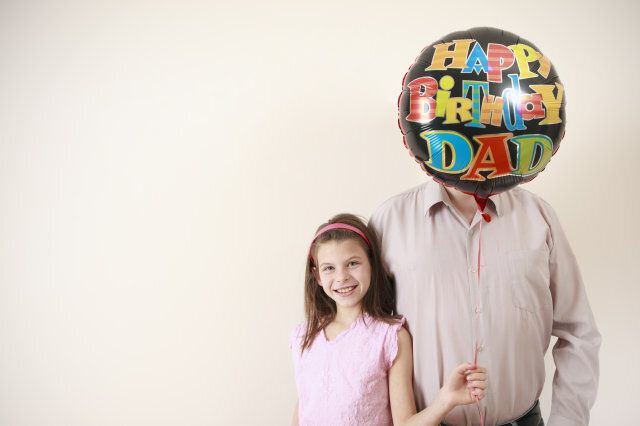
345	291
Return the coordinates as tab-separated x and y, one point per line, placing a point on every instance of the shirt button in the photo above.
478	311
480	348
473	269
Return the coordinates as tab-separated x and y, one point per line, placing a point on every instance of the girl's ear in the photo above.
316	276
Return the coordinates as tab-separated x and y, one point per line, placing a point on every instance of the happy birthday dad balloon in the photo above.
482	110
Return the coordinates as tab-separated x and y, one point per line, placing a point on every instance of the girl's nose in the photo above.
343	276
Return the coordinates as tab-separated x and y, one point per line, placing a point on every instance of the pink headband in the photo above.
331	226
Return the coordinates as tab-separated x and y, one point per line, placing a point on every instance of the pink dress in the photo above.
344	381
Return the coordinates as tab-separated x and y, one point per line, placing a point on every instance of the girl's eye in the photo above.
327	269
354	263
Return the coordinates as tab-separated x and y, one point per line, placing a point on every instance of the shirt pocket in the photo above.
529	279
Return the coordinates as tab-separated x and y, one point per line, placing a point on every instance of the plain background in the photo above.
163	165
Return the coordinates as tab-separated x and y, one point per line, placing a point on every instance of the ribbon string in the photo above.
481	202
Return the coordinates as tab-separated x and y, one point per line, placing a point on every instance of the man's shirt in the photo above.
530	288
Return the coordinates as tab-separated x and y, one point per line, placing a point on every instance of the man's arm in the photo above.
575	354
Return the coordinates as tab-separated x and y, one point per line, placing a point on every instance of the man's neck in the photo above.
464	203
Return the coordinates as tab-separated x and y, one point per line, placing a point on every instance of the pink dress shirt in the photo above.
530	289
343	382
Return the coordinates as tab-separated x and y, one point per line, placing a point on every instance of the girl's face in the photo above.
344	271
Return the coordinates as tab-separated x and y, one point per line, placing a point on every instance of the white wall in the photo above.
163	165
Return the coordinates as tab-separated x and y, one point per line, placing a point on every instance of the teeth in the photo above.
346	290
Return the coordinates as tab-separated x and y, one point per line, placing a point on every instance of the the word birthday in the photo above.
476	106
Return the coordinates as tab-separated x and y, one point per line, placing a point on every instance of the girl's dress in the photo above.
344	381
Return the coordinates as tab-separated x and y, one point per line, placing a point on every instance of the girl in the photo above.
352	358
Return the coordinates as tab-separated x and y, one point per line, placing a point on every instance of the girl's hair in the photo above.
319	308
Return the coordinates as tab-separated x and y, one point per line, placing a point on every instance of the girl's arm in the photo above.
457	390
294	421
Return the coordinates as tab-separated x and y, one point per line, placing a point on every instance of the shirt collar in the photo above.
435	194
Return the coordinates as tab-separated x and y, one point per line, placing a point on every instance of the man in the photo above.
530	289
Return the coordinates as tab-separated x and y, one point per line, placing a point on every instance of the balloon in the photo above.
482	110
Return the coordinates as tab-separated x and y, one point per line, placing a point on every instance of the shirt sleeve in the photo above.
391	342
297	334
376	223
575	354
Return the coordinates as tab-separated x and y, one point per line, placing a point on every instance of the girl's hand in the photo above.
464	384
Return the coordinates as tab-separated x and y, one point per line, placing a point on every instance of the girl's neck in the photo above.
346	316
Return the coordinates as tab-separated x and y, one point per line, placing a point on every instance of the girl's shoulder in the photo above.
380	337
384	325
382	329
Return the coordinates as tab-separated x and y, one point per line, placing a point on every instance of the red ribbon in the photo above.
486	217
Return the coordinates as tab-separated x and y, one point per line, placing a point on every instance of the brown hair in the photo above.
378	302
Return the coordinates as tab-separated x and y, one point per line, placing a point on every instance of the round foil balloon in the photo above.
482	110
